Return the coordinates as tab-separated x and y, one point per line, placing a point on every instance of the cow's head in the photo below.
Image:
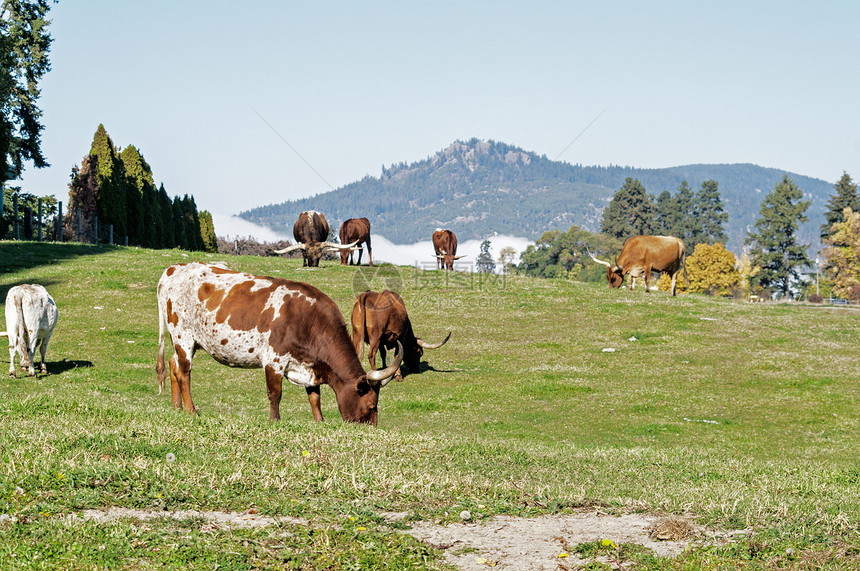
614	272
360	404
448	259
313	251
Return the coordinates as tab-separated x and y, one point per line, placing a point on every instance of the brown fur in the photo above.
642	254
261	322
445	244
355	230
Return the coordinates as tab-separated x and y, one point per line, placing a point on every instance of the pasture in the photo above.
740	416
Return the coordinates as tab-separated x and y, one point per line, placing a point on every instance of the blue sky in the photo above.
355	85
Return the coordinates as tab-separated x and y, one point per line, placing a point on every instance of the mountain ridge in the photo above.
480	188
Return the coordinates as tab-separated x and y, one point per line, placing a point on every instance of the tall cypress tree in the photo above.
774	247
669	217
141	195
207	231
192	223
631	212
179	224
112	203
83	196
165	219
846	197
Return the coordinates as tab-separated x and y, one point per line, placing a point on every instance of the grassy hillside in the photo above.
741	415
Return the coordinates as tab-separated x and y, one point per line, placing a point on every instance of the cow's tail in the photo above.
160	371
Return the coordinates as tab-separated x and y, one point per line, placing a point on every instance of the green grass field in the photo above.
742	416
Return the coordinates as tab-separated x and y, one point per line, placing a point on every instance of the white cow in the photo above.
31	315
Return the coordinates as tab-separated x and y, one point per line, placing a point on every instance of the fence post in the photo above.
39	221
60	222
110	234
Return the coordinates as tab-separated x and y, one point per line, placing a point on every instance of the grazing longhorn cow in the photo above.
642	254
289	329
310	232
445	244
356	231
31	316
380	319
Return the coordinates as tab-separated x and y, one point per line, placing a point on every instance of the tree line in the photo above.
774	260
114	186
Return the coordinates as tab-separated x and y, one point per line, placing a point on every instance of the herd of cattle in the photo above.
292	329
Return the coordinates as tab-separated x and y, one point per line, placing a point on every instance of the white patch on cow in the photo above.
299	373
296	293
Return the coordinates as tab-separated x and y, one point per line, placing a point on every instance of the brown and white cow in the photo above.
355	231
380	319
311	234
290	329
445	245
642	254
31	316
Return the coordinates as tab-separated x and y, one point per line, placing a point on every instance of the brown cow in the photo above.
445	245
380	319
311	233
290	329
356	231
642	254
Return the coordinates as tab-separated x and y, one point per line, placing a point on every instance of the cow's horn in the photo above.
458	257
607	264
433	345
384	376
440	256
288	249
334	246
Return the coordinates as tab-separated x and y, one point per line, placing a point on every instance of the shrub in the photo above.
815	298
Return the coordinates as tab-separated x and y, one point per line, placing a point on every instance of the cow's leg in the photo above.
674	282
175	395
183	373
369	254
43	348
314	398
358	261
31	352
382	355
371	355
647	280
274	384
13	346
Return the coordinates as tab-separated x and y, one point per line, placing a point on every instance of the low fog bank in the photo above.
419	254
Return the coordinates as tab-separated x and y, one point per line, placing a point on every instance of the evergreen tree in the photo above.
112	203
669	217
165	223
24	46
192	223
846	197
774	247
631	212
207	232
710	216
83	195
484	262
842	254
140	193
179	224
689	225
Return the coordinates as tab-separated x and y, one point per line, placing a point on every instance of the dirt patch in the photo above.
213	519
515	543
503	542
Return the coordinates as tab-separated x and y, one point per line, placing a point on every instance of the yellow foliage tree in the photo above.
842	252
746	272
710	269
